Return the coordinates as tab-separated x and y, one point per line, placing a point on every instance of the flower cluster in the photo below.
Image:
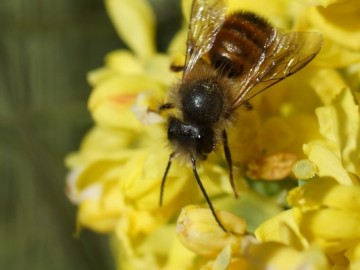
296	154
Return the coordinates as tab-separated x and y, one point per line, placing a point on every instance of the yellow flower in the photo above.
303	133
272	255
326	208
328	215
338	154
197	228
136	14
327	196
339	23
159	250
236	249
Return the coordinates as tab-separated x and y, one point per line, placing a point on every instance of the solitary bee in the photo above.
229	60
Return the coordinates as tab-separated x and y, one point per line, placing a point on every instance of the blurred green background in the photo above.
46	48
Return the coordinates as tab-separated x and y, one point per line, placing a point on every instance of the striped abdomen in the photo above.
240	43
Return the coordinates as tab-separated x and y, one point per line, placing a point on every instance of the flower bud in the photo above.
198	231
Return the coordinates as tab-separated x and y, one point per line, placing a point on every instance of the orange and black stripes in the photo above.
240	43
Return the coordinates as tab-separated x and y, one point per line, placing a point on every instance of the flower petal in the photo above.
340	22
134	22
123	62
340	124
281	228
102	214
327	83
335	55
325	192
323	3
272	255
322	201
276	10
111	100
327	162
223	260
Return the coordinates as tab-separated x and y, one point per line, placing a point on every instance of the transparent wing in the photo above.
207	17
286	54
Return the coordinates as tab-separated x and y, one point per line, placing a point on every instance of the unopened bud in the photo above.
199	232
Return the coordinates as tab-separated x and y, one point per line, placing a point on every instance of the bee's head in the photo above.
197	140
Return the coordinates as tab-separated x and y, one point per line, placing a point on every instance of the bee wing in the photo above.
286	54
207	17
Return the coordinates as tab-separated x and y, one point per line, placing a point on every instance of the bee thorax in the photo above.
202	101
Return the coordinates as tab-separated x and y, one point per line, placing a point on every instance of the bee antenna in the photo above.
229	162
193	162
164	178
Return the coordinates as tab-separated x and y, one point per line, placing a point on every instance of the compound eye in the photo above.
206	142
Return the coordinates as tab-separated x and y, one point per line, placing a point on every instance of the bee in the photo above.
229	60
